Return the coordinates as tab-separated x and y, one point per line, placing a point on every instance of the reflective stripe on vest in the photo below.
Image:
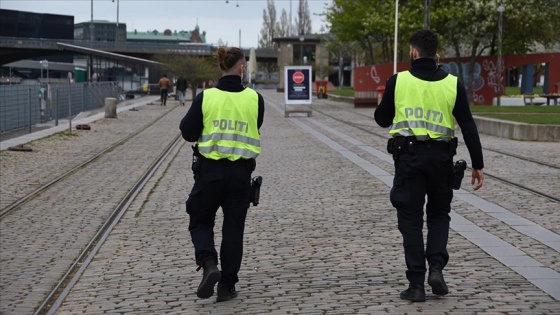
424	108
230	125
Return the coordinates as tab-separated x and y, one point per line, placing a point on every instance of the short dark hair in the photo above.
426	42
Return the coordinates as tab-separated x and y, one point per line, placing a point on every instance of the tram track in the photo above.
70	217
363	128
139	271
73	274
44	187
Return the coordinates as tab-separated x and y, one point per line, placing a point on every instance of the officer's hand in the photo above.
477	179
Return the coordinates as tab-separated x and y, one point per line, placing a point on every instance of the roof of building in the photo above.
167	35
157	35
105	54
97	22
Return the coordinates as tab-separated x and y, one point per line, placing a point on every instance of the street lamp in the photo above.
44	65
91	37
501	9
396	36
301	39
117	32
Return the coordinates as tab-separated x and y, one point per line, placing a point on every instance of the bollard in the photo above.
111	107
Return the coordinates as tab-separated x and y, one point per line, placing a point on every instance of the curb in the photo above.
517	131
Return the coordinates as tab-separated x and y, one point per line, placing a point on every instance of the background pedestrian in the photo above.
164	85
181	86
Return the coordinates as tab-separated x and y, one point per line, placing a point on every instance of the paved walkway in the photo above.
324	238
19	137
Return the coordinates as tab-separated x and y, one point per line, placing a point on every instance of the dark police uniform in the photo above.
422	146
220	124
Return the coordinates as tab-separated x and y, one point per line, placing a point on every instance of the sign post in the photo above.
297	90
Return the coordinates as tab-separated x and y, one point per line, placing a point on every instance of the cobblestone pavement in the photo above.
41	239
324	238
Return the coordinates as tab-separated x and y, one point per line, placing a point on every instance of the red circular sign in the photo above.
298	77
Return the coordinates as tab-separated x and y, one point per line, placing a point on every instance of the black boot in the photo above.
210	277
414	293
225	292
436	281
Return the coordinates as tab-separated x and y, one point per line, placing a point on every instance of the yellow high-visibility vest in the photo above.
424	108
230	125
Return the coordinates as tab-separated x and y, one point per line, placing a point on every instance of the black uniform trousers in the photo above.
427	171
225	184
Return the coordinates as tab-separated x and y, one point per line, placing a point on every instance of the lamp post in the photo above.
44	65
91	38
427	14
501	9
91	24
301	39
117	31
396	36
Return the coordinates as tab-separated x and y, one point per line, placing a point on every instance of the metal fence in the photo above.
23	106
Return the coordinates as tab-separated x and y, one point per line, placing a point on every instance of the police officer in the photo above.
225	122
420	106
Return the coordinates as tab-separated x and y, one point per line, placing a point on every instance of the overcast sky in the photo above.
219	19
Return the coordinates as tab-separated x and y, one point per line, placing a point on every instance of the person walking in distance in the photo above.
181	86
420	106
164	85
224	121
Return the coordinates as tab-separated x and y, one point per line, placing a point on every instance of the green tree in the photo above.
466	28
338	51
470	28
194	69
370	23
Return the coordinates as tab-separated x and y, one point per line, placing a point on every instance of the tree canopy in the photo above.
195	70
272	27
466	28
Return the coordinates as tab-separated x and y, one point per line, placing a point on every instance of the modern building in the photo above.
107	59
100	31
36	25
21	24
304	50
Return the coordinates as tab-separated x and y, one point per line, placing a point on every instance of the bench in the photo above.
553	97
529	99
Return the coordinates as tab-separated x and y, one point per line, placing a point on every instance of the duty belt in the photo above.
398	145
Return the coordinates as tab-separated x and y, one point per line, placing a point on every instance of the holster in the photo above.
458	174
196	161
254	195
398	145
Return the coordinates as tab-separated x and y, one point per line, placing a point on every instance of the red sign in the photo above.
298	77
